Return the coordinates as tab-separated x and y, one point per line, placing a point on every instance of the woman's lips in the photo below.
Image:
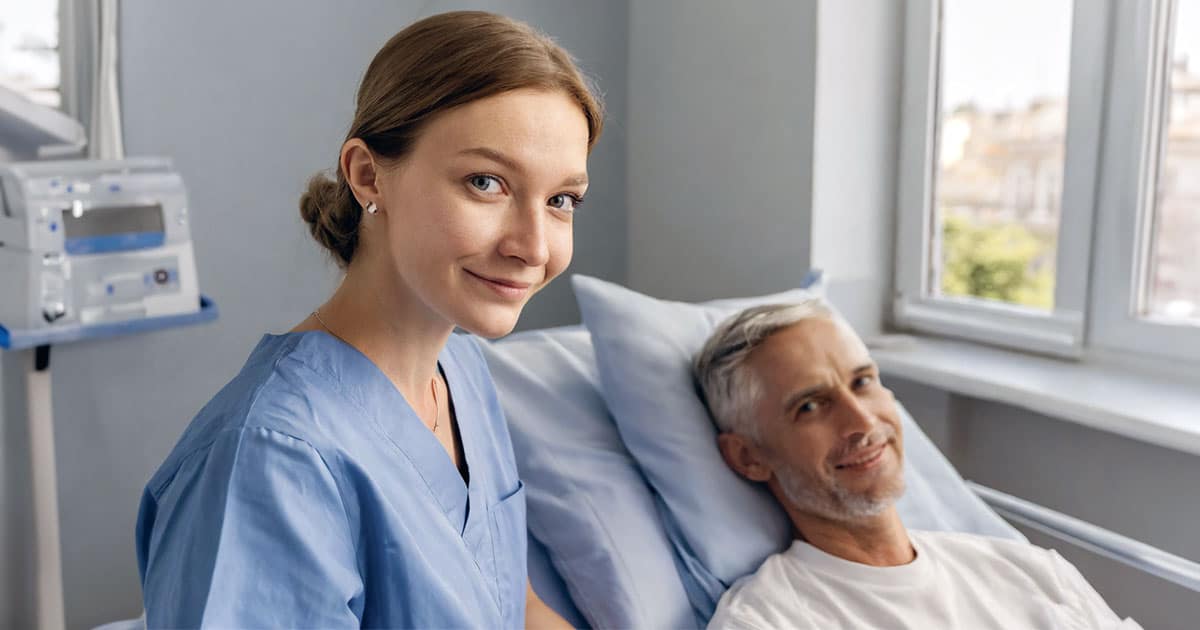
508	289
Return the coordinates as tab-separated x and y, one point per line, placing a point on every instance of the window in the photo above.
1172	285
1049	192
1001	130
29	53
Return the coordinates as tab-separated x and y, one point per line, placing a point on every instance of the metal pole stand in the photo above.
51	615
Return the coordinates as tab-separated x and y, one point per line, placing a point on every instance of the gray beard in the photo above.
830	499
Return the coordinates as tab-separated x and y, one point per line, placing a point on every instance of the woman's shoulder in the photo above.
271	392
277	382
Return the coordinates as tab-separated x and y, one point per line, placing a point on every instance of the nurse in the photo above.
358	471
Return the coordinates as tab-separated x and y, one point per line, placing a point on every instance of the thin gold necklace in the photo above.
437	413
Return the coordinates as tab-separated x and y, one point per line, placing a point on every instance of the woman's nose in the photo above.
525	235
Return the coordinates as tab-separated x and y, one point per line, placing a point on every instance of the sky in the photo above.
1187	32
1003	54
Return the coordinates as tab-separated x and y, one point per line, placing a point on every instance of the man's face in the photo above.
829	435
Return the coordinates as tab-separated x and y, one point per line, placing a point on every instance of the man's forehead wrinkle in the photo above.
804	359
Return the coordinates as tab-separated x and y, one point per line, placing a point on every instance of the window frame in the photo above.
71	77
1080	324
1141	56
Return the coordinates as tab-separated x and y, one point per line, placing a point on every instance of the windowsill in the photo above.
1106	398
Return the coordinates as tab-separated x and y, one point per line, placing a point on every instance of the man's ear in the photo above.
743	457
358	166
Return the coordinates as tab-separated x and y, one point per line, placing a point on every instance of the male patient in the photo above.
799	407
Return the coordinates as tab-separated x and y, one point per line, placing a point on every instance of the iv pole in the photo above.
35	132
30	131
51	615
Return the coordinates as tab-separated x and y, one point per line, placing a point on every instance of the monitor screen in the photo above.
113	220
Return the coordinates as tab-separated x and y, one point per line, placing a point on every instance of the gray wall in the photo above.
720	145
762	143
249	98
1142	491
855	143
16	520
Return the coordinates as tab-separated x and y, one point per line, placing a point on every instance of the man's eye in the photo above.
863	381
807	407
565	202
485	183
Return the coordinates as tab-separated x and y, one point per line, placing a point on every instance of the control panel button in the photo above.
53	312
162	276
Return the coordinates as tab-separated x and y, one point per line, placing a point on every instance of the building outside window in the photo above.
1050	175
29	51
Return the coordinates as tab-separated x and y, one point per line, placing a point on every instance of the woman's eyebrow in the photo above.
580	179
576	180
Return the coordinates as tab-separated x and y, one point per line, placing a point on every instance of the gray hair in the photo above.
722	377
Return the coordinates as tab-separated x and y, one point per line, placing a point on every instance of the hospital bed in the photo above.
608	545
607	548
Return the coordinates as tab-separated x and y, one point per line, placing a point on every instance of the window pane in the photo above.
1002	119
29	50
1173	289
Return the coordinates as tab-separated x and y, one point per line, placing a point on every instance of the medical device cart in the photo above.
89	249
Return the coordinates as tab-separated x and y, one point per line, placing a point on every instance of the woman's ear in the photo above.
743	457
358	166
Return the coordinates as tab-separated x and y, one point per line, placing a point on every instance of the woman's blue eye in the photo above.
485	183
564	202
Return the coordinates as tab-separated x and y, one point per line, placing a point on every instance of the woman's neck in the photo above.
392	328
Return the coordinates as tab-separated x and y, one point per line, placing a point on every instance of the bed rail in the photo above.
1112	545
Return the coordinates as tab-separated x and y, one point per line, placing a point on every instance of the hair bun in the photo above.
332	216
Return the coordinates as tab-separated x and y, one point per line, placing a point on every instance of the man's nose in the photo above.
855	418
525	234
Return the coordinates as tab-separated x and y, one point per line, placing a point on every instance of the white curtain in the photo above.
90	85
104	132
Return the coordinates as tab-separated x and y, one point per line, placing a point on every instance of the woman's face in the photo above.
479	215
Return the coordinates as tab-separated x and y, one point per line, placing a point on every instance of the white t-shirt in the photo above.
956	581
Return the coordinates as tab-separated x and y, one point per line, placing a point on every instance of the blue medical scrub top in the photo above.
308	494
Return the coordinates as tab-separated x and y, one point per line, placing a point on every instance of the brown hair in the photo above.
437	63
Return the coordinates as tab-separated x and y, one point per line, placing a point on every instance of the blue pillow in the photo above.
722	526
587	501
